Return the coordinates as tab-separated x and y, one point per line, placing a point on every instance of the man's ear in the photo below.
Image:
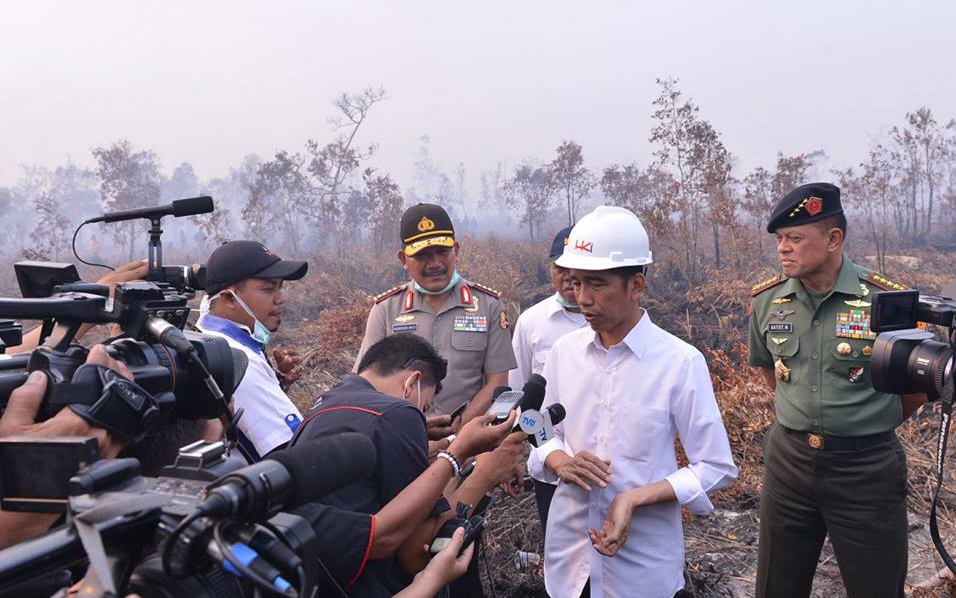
409	383
403	258
639	281
835	239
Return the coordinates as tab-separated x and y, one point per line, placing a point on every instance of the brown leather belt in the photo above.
828	443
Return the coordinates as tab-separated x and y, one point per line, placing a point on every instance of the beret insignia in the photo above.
814	206
763	285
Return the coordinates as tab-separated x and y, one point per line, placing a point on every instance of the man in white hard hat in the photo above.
629	389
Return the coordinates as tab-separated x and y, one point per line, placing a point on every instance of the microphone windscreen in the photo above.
192	206
538	379
499	390
323	466
557	413
532	393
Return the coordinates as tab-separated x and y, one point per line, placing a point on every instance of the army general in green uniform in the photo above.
465	321
833	463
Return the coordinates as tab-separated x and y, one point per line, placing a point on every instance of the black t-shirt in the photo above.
397	429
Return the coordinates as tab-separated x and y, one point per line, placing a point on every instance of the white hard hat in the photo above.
607	238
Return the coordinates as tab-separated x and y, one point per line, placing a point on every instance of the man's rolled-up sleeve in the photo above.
536	461
704	438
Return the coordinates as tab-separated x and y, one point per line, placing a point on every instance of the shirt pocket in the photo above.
538	359
644	429
849	372
469	341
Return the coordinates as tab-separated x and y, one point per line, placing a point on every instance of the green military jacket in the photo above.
821	357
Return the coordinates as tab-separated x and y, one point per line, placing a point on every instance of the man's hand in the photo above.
439	426
126	273
436	446
478	436
581	470
445	567
19	418
613	534
288	366
499	466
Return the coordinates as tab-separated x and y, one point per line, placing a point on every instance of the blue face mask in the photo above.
260	333
565	304
455	279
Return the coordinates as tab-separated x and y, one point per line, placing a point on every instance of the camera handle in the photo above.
945	420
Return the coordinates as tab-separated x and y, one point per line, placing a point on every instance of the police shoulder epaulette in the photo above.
389	293
485	290
882	282
764	285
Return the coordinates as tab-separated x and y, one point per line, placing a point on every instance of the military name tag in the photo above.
780	327
397	328
471	324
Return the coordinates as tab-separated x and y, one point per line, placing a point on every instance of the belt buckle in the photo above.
815	441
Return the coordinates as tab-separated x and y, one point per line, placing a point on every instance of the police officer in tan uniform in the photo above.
465	321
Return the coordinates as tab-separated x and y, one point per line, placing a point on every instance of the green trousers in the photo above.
857	497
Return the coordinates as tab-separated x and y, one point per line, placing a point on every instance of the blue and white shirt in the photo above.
269	417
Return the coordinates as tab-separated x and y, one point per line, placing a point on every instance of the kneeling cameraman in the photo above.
397	379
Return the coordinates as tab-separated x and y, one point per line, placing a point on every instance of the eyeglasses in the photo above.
439	367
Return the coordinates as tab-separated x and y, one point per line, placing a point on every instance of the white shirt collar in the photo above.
636	340
554	306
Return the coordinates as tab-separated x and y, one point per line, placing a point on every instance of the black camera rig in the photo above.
176	374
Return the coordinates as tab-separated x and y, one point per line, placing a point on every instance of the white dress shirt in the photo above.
626	404
536	331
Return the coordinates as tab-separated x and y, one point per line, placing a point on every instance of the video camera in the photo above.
205	528
176	374
907	360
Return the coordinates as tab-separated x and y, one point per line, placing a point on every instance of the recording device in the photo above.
179	535
907	360
474	527
35	470
175	374
531	396
540	426
459	410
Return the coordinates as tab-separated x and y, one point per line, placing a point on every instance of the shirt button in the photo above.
815	356
816	423
816	322
813	388
856	354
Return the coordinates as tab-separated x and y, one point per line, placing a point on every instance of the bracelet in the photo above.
451	459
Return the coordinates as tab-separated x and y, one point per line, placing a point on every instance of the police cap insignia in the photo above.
425	224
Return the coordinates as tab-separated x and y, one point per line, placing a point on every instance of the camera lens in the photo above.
909	361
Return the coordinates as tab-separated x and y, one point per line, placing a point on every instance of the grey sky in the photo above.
208	82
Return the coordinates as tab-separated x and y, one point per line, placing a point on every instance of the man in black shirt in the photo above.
397	379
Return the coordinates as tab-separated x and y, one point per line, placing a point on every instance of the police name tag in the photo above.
397	328
780	327
471	324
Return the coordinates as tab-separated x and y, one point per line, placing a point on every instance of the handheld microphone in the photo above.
540	426
291	477
178	208
532	396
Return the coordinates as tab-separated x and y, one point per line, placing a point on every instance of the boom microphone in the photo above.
180	207
291	477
